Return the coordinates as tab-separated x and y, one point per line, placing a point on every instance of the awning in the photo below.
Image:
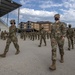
7	6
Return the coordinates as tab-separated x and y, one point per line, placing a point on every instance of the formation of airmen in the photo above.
59	31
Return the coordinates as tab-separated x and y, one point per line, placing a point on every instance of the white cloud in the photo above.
69	4
69	13
38	13
24	1
68	16
49	4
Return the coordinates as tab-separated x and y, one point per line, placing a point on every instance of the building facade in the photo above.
35	25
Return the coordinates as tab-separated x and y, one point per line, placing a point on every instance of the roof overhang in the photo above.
7	6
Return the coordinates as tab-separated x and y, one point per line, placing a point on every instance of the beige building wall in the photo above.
3	27
37	26
25	25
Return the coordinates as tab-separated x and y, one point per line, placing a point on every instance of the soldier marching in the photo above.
11	38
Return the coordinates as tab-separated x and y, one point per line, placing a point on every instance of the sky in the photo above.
44	10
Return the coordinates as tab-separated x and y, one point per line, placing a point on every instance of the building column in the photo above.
7	18
18	15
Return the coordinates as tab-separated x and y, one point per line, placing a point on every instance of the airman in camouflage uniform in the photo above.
47	35
35	35
32	35
11	38
2	34
74	36
21	34
70	36
58	32
5	35
24	34
38	35
42	36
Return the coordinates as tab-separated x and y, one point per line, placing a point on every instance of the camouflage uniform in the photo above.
38	35
21	34
33	37
11	38
74	36
70	36
24	34
5	35
2	35
58	32
47	35
42	36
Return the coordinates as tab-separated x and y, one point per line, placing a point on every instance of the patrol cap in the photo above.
57	15
12	21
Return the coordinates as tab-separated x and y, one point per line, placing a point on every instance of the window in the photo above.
28	26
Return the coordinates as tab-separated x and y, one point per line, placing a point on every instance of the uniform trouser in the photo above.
47	36
4	37
24	37
38	37
15	42
70	42
54	43
33	37
44	39
21	35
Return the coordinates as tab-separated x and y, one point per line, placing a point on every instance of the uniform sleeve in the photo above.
52	30
73	32
63	29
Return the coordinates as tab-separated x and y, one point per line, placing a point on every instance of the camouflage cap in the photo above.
57	15
12	21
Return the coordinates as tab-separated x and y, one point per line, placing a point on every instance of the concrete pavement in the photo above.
34	60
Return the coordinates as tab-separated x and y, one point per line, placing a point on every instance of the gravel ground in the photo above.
34	60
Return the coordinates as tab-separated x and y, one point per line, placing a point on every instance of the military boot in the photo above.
53	66
39	45
62	59
69	49
3	55
17	52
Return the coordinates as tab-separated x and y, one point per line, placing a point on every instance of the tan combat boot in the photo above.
17	52
53	66
62	59
3	55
